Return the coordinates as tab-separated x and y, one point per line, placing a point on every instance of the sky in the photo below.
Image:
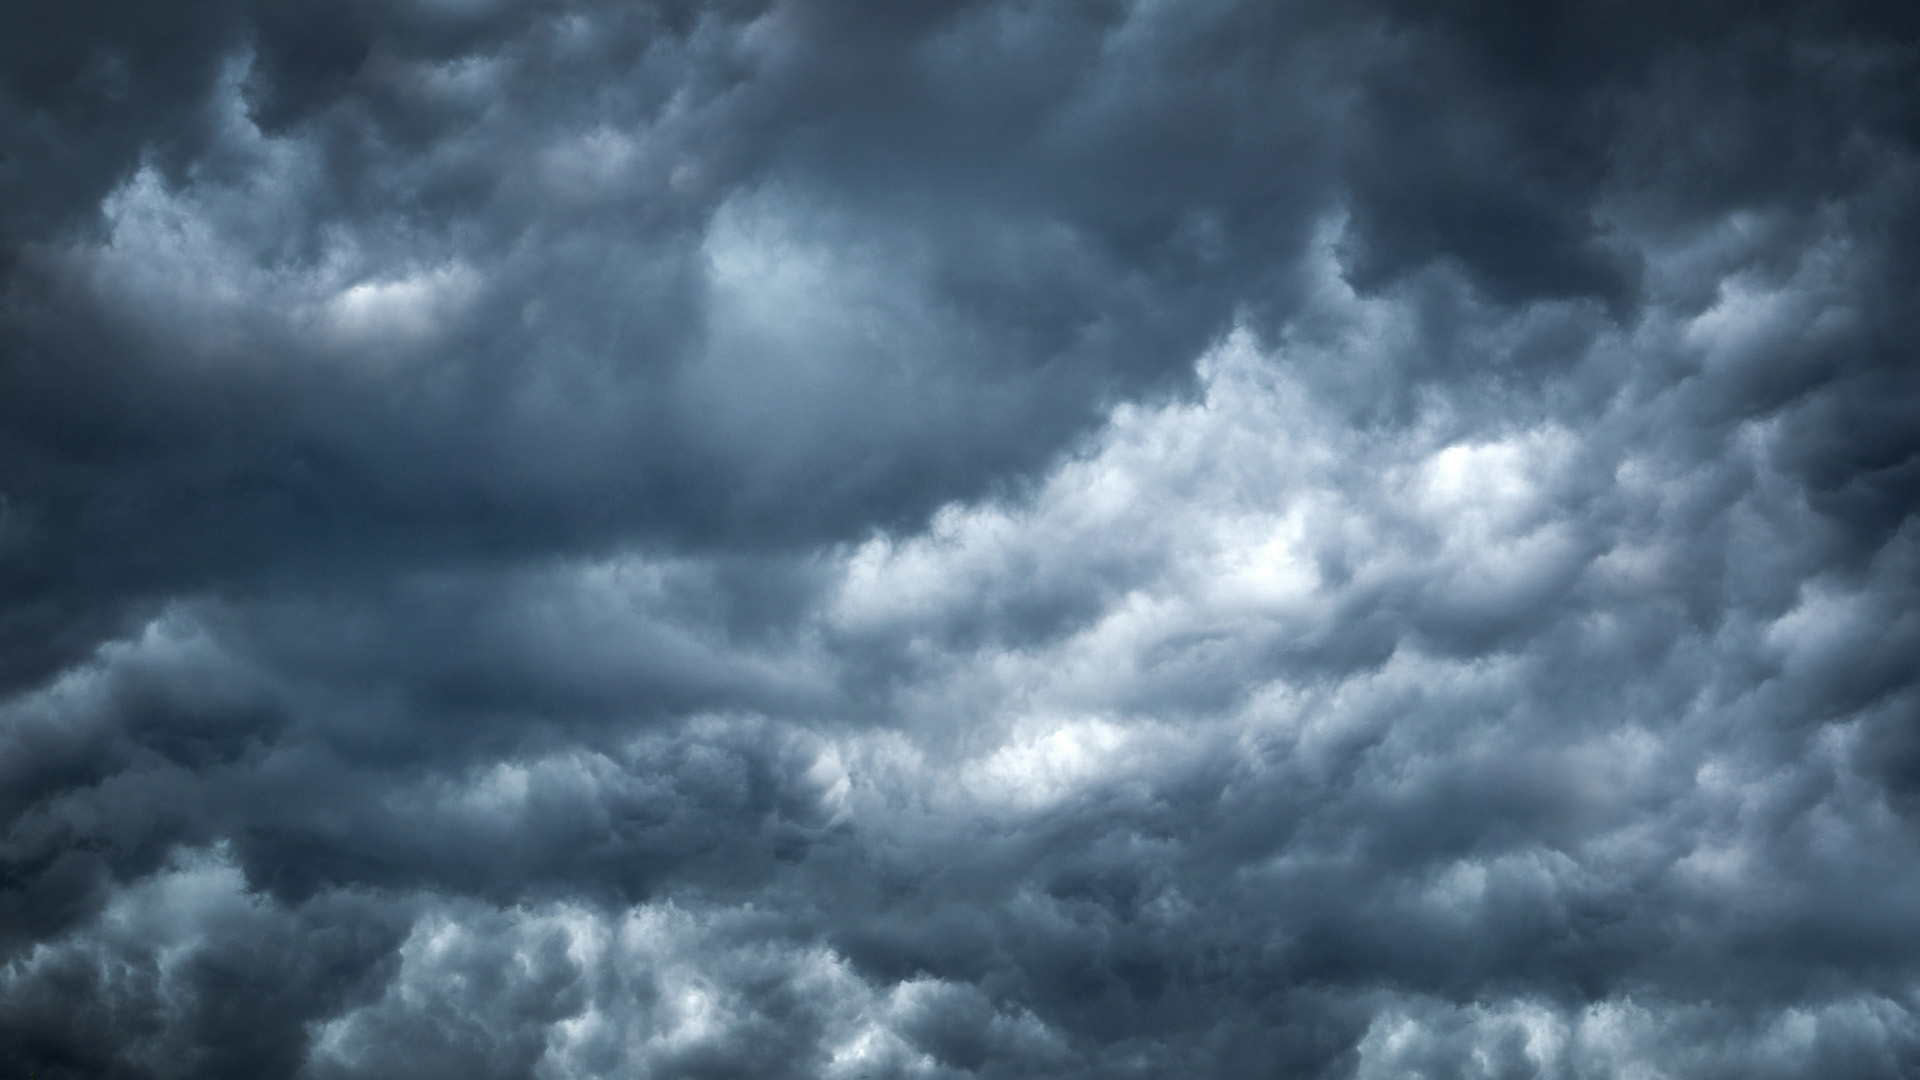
1005	539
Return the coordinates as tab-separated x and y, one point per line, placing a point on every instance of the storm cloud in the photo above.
839	540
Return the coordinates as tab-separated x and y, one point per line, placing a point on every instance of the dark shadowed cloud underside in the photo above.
849	540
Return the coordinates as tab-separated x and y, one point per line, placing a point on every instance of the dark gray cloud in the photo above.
959	540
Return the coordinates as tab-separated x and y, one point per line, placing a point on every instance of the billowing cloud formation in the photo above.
959	540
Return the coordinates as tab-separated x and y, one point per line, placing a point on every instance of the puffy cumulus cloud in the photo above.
186	974
973	540
515	279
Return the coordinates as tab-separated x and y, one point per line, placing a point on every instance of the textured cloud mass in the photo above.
843	540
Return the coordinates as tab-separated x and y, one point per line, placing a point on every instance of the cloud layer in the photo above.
961	540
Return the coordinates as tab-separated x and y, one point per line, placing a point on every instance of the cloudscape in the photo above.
1005	539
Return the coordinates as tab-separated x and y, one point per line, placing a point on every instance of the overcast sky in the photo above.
1017	539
